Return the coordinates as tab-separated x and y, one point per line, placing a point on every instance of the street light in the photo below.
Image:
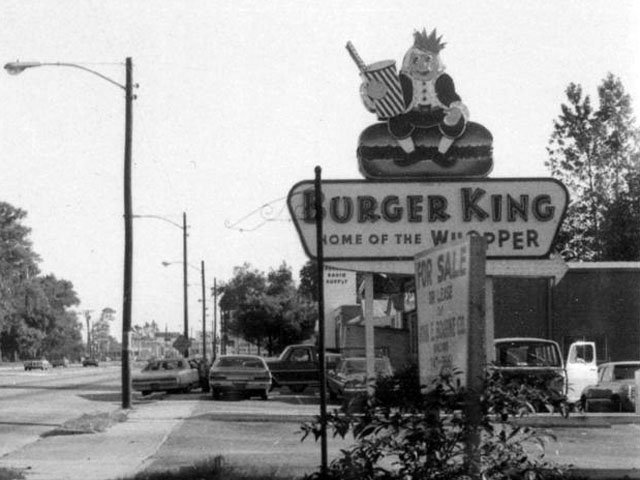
184	262
204	305
15	68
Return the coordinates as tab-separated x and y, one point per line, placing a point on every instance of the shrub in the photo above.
402	433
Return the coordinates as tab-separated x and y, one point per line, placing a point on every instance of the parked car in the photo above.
37	364
535	362
297	367
167	375
615	390
348	380
246	375
90	362
60	362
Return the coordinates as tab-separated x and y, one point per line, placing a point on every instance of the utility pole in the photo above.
204	315
215	318
87	318
185	283
128	239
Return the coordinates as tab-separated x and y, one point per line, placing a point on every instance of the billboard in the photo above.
393	221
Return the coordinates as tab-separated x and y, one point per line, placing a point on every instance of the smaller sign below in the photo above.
450	306
181	343
339	289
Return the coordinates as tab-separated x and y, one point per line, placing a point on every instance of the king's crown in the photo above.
428	43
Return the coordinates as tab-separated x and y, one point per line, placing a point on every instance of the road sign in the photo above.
371	221
181	343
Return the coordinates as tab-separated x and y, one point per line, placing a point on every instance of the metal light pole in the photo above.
185	279
14	68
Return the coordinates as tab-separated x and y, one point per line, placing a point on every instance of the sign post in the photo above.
450	298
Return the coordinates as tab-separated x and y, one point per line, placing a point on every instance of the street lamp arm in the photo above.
15	68
160	218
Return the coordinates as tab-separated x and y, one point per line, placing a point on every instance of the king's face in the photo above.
421	64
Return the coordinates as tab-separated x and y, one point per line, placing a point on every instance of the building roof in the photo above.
603	265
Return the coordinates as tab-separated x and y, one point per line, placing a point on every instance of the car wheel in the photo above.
215	394
264	395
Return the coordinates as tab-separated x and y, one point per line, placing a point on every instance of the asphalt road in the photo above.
35	402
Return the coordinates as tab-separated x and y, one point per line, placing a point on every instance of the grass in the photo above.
211	469
11	474
88	423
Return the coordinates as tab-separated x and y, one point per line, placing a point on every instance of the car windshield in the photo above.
527	354
240	362
164	365
625	372
354	366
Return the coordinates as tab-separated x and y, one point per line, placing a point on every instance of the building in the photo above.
596	301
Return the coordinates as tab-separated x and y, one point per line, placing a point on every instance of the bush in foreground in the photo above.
402	433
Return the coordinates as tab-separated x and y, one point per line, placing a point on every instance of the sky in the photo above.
239	100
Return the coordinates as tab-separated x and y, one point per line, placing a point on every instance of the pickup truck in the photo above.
541	358
297	367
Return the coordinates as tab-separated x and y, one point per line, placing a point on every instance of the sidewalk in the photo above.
121	450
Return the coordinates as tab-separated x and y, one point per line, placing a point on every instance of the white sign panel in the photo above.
450	307
339	289
393	221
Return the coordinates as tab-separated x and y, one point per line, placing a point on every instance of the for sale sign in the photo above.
450	307
376	221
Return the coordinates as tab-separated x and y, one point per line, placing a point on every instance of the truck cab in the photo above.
297	367
582	369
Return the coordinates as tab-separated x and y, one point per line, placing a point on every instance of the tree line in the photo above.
35	319
594	150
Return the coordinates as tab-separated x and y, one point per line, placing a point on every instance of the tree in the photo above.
268	311
596	154
245	282
309	281
33	308
18	261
